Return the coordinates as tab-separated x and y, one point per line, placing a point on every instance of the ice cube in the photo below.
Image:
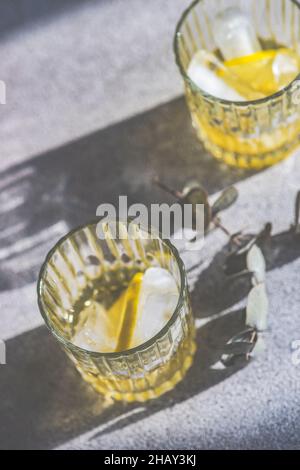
102	330
95	330
157	302
234	34
210	74
206	79
285	67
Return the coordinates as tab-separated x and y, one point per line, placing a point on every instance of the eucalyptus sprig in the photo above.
245	259
250	341
195	194
249	259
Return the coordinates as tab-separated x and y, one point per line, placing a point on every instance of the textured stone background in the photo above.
93	111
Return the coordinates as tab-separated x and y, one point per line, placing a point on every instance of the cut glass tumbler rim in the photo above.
192	84
142	346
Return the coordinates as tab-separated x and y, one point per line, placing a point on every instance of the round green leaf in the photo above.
227	199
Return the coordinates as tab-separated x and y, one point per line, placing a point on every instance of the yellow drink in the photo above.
121	310
252	136
255	121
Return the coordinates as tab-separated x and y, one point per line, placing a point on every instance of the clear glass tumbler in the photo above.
252	134
81	263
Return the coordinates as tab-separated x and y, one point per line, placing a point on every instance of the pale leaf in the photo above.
257	308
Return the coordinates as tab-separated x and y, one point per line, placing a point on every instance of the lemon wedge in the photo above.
266	71
249	59
126	310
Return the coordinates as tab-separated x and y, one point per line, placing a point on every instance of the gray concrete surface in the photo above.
72	68
93	111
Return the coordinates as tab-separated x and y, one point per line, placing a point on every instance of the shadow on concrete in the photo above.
42	401
22	13
43	197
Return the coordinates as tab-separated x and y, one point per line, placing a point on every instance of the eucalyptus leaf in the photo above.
193	193
246	243
238	346
256	264
265	234
227	199
297	213
245	335
259	347
189	189
257	308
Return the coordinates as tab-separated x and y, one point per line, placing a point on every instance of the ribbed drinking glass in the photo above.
251	134
81	263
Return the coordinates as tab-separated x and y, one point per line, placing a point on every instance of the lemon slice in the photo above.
248	59
126	308
260	71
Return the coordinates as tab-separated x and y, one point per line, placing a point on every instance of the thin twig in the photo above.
164	187
217	222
